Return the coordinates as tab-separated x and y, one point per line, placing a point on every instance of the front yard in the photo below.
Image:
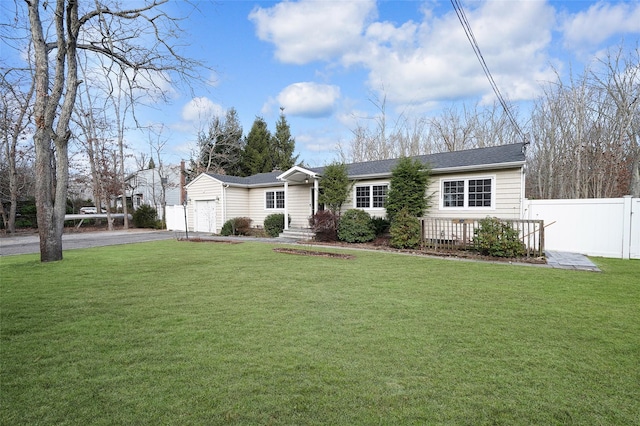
179	333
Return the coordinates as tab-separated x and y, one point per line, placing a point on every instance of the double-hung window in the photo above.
274	199
468	193
371	196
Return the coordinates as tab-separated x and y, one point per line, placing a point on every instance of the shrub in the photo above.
405	231
409	182
236	226
274	224
334	186
380	225
355	227
325	226
497	238
145	216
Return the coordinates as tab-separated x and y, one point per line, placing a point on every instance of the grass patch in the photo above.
176	333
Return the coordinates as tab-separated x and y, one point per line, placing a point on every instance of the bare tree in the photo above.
157	143
56	84
15	118
378	142
93	135
620	79
586	132
452	131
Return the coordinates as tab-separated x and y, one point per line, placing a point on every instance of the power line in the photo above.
476	49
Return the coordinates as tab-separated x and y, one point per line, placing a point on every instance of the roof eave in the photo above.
443	170
199	177
471	168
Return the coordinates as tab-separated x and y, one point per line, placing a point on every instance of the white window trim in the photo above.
466	193
370	185
275	202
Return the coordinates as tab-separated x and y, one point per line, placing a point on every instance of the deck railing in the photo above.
458	234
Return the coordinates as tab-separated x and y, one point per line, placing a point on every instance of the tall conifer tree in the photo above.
283	145
256	157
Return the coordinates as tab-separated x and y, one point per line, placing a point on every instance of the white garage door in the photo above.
205	216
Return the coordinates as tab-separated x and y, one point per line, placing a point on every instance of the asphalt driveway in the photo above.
30	243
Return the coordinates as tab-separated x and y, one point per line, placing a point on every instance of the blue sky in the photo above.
324	60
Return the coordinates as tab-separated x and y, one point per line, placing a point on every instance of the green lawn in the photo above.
207	333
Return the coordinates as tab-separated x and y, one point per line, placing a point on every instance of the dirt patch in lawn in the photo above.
207	240
303	252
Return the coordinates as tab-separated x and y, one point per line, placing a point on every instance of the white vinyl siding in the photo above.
299	205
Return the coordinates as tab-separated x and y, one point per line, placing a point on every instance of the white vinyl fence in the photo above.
175	218
607	227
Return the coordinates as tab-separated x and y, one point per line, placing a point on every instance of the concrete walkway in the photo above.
564	260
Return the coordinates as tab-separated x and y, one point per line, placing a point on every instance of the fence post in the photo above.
626	227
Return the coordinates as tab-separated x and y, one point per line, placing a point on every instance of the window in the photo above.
371	196
274	200
379	195
467	193
480	193
453	193
362	197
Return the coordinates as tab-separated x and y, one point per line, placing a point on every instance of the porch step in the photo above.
297	234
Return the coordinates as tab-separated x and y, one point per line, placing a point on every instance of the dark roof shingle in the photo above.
494	155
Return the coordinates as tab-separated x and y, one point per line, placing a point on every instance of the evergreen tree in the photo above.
409	183
334	187
257	154
283	145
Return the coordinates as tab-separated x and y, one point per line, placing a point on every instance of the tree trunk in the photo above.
52	158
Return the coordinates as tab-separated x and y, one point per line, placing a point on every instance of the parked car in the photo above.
91	210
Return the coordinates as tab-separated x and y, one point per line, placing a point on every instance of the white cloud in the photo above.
311	30
309	99
601	21
433	60
201	109
418	62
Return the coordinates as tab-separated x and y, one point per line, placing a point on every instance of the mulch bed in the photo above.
382	244
303	252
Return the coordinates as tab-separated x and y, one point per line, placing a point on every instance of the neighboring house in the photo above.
154	187
464	184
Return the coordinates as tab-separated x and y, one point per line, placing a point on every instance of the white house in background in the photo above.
469	184
156	187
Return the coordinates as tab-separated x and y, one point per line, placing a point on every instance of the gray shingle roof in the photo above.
490	156
259	179
494	155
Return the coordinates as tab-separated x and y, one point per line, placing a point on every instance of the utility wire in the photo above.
476	49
